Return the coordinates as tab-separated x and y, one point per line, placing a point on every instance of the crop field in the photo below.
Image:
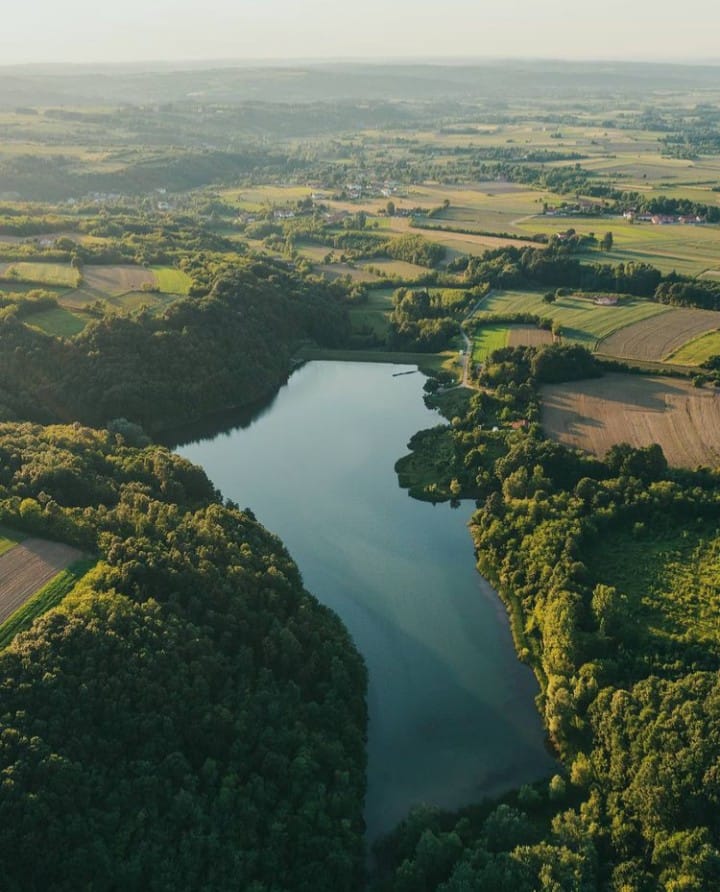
60	322
43	273
596	414
117	279
171	281
697	351
582	321
29	566
528	336
660	337
49	596
488	338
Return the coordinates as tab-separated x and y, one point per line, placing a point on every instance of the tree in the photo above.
607	242
390	208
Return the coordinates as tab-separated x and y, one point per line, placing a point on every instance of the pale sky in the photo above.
142	30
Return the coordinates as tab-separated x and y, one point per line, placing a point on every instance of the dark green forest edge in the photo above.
608	570
189	717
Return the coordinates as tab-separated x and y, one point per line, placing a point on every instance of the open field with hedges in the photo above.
596	414
43	274
660	337
494	336
686	249
582	321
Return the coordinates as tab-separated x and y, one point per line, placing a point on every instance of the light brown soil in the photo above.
597	414
27	567
528	336
117	279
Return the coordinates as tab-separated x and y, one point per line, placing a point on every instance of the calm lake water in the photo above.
452	716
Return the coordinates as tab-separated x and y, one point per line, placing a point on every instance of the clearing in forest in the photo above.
596	414
118	279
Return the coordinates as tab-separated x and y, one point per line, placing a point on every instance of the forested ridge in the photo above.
609	573
229	348
190	717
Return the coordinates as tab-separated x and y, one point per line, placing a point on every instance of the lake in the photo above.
452	713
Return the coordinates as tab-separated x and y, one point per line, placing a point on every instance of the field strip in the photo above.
27	568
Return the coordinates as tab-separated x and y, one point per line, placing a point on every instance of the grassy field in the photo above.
60	322
43	274
488	338
596	414
697	351
171	280
48	597
662	336
582	321
395	268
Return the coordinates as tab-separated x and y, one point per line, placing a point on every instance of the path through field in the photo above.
27	567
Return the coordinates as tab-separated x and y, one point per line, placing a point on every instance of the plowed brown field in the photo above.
595	415
528	336
117	279
27	567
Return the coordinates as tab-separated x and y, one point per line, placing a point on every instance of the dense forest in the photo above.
190	717
227	349
608	570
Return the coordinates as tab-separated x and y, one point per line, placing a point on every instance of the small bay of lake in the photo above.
452	712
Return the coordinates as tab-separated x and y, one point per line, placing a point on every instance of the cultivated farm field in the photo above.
118	279
582	321
596	414
27	567
488	338
660	337
697	351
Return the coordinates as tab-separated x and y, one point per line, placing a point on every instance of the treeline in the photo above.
426	320
228	349
189	717
57	177
587	556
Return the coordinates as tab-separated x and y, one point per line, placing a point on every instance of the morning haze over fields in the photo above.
360	447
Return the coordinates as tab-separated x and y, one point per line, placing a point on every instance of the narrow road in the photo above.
467	354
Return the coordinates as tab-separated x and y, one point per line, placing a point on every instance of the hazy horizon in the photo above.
271	32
